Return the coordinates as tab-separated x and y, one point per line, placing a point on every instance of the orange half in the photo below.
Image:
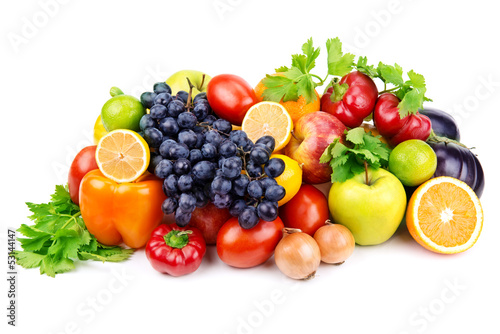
122	155
444	215
268	119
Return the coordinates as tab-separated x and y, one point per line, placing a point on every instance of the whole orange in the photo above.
296	109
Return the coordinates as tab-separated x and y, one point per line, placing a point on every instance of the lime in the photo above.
413	162
122	112
99	130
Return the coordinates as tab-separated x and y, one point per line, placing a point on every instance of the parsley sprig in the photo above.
298	80
58	237
361	149
411	92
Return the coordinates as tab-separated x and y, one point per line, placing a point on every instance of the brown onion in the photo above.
335	242
297	254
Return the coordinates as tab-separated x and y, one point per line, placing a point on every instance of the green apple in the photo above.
371	204
178	81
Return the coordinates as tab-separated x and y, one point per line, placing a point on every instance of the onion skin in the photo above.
336	243
297	254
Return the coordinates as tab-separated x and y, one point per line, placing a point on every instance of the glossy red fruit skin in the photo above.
356	104
230	97
307	210
83	163
209	220
311	136
243	248
175	261
396	129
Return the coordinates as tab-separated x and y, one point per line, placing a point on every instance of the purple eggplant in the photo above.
459	162
443	124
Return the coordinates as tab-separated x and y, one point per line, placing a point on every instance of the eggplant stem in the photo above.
433	138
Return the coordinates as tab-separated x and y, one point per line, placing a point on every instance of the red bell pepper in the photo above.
352	99
175	250
397	129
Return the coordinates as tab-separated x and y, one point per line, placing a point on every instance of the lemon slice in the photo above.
122	155
268	119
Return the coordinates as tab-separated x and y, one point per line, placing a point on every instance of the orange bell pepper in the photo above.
115	212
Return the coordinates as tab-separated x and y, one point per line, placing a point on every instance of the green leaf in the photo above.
305	87
339	64
28	259
281	69
34	244
411	102
347	160
356	135
311	53
300	61
391	74
363	67
416	80
278	88
63	265
31	231
58	236
47	266
327	156
115	254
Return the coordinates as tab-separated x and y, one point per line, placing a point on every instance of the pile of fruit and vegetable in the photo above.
236	167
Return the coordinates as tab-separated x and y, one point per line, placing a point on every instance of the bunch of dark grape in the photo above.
201	159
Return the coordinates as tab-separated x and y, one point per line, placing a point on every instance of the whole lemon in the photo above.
290	179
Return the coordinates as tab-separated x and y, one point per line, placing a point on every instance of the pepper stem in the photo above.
177	239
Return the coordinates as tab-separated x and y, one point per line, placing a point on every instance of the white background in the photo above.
55	81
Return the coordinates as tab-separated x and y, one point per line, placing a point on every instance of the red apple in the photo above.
209	220
311	136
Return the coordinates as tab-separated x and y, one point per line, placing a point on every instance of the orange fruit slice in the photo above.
122	155
296	109
444	215
268	119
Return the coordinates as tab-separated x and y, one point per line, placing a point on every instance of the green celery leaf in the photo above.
311	53
47	266
279	87
339	64
28	259
305	87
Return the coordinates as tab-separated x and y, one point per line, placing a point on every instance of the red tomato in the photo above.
307	210
83	163
242	248
230	97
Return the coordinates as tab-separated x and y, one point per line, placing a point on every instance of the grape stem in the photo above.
189	105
